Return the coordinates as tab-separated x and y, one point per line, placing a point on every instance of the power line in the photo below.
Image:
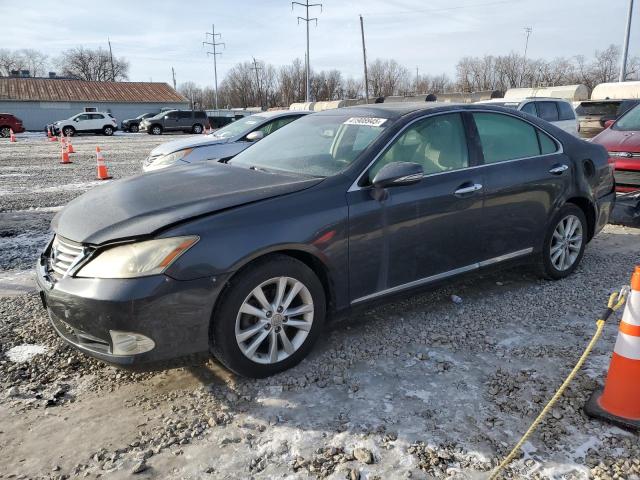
436	10
307	19
215	54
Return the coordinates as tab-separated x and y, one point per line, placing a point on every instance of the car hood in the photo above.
144	204
619	140
190	142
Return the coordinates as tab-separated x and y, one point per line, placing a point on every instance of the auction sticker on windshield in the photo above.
366	121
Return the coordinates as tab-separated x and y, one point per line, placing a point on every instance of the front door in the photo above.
171	121
409	235
524	176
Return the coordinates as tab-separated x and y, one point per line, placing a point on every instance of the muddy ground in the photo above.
420	388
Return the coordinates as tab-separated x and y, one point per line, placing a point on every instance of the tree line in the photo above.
249	84
244	85
78	63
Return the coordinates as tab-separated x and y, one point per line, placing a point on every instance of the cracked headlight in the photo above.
140	259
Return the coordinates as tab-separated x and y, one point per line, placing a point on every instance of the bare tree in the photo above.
87	64
26	59
388	77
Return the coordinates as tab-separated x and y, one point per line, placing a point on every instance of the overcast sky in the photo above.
431	35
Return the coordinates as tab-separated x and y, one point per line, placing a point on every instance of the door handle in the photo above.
559	169
470	189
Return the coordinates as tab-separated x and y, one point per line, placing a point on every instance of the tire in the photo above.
68	131
155	130
228	321
197	129
134	129
107	130
5	132
551	265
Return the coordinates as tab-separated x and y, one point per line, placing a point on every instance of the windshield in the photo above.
629	121
316	145
597	108
239	127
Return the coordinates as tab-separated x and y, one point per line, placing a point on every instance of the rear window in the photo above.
597	108
565	111
548	111
200	115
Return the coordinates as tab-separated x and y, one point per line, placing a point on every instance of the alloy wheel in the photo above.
566	242
274	320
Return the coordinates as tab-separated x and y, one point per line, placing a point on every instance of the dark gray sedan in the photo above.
247	259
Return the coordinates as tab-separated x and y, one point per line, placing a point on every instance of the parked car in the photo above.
221	118
554	110
188	121
221	144
593	114
10	122
86	122
621	138
247	259
132	124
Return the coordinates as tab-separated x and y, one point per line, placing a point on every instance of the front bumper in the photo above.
174	314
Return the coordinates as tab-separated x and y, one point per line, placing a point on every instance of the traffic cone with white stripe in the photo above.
619	401
64	156
69	146
12	136
103	174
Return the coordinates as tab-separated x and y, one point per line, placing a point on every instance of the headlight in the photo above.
172	158
141	259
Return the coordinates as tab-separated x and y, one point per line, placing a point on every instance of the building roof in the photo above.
66	90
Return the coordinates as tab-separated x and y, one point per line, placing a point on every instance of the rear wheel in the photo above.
133	128
564	243
5	132
197	128
269	317
69	131
108	131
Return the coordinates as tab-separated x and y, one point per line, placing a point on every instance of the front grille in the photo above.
625	154
628	177
62	256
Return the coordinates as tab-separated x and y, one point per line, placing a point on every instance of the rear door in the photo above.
418	233
185	120
525	176
97	121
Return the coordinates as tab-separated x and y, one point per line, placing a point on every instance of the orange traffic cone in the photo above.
70	146
619	401
53	138
103	174
12	136
65	154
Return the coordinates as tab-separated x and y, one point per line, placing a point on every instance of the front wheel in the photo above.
269	317
156	130
68	131
564	243
108	131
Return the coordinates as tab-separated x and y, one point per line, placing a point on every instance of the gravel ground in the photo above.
421	388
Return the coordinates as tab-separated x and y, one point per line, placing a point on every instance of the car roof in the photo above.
280	113
389	110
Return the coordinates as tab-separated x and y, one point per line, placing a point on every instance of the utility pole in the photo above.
173	74
417	80
215	53
625	50
364	58
113	74
306	19
256	68
527	31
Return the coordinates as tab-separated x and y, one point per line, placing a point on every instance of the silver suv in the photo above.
188	121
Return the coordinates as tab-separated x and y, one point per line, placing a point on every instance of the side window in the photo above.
96	116
504	137
200	115
82	117
281	122
437	143
172	115
547	144
548	111
184	114
565	111
530	108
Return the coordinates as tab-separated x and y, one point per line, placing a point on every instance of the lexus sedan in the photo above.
247	259
221	144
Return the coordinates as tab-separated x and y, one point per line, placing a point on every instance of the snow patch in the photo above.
24	353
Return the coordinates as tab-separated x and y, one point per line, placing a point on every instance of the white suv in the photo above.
554	110
87	122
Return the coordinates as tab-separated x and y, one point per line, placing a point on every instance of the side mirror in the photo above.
255	136
608	123
76	119
396	174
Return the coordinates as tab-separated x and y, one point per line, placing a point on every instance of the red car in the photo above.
621	138
10	122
